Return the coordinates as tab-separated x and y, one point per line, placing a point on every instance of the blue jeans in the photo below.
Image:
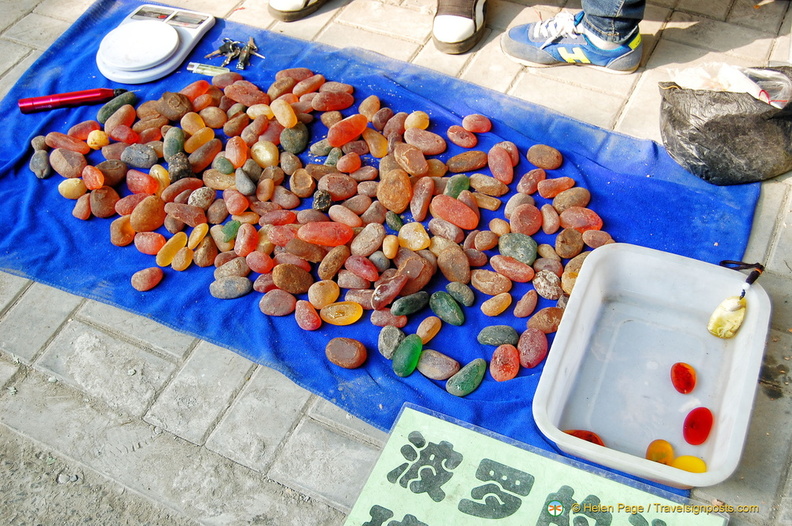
612	20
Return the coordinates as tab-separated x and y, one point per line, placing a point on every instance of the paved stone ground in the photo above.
109	418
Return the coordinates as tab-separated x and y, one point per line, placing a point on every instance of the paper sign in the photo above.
433	472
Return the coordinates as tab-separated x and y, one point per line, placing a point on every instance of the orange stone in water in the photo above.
347	129
580	219
505	363
454	211
326	233
660	451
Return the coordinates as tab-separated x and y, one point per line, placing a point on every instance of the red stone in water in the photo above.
306	316
247	239
588	436
92	177
347	129
326	233
505	363
476	123
580	219
174	189
697	426
532	346
683	377
333	100
195	89
548	188
147	279
259	262
454	211
149	242
141	183
236	202
461	137
526	219
500	164
346	352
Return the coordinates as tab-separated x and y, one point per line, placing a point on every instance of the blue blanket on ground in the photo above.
642	195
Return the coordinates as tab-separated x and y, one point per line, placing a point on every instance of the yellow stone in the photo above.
197	235
390	246
429	328
414	236
265	153
72	188
341	313
496	304
167	253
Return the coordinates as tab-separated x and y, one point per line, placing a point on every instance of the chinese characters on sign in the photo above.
435	473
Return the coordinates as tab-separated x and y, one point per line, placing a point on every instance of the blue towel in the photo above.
643	196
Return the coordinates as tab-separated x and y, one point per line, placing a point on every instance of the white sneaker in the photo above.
458	25
290	10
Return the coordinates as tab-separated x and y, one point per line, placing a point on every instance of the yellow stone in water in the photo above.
284	113
414	236
72	188
376	142
689	463
265	153
390	246
197	235
341	313
198	139
322	293
258	110
429	328
161	175
499	226
727	317
417	119
97	139
183	259
168	251
496	304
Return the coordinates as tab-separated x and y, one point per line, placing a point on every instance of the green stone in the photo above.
222	164
320	148
173	143
521	247
498	335
333	157
230	230
407	354
393	220
104	113
446	308
462	293
295	140
389	339
455	185
468	378
410	304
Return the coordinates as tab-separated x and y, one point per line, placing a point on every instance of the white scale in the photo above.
150	43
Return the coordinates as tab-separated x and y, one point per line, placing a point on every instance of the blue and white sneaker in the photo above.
560	41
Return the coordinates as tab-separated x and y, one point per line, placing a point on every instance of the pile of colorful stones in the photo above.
214	177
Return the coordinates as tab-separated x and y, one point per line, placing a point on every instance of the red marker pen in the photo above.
63	100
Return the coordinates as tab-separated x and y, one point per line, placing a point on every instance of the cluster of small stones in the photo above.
236	206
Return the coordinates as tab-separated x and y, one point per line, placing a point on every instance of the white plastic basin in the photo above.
635	312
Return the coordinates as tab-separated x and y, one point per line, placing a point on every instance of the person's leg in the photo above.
612	21
608	39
